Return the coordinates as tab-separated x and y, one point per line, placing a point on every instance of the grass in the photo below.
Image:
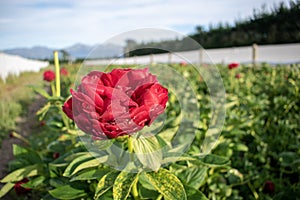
15	97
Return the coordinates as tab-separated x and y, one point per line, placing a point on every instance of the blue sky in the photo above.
58	24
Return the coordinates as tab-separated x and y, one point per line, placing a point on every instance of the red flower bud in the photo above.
56	155
269	187
49	75
42	123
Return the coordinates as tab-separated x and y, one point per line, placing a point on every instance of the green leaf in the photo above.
18	150
123	184
76	162
43	111
193	194
19	174
89	174
34	182
145	193
105	183
89	164
6	188
25	154
148	151
67	192
287	158
213	160
40	91
240	147
58	181
167	184
145	182
192	176
171	158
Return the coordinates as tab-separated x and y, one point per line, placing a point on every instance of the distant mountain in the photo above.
75	51
96	51
37	52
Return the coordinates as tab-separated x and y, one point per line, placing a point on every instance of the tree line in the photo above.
279	25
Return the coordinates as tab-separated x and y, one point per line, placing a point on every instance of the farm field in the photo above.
256	156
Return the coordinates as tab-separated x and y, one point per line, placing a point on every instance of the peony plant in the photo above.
113	156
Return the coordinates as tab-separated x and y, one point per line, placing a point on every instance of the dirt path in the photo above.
26	125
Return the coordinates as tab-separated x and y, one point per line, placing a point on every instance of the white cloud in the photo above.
62	23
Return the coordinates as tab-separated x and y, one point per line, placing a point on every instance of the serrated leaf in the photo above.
123	184
88	164
167	184
105	183
6	188
148	151
19	174
67	192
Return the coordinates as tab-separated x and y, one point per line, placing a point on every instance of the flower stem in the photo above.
57	73
134	190
130	144
53	88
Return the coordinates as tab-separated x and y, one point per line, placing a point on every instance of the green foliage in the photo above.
167	184
259	142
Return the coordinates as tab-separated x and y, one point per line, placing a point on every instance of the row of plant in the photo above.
255	157
15	98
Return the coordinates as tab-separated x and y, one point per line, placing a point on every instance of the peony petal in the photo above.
67	108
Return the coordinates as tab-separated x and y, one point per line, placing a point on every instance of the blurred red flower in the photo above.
49	75
183	63
233	65
19	189
238	76
64	72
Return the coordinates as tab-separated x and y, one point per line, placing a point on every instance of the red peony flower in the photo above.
108	105
64	72
49	75
19	189
238	76
269	187
233	65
